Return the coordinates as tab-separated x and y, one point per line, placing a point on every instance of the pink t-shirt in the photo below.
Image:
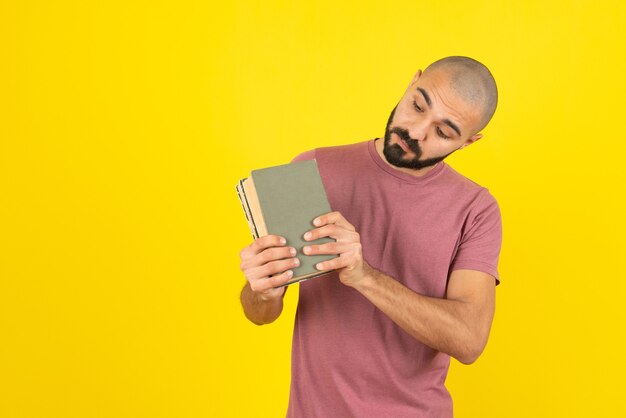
348	358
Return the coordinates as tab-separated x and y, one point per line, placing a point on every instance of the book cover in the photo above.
284	200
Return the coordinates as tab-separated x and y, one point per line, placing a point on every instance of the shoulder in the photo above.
464	186
474	200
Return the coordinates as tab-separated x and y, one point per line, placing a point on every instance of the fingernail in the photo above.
319	266
307	235
292	251
316	221
289	274
296	262
306	249
283	241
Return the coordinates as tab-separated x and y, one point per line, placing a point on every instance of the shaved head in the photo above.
472	81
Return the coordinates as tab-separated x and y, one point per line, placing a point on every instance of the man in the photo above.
418	248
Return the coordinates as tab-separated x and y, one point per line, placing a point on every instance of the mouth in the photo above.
403	145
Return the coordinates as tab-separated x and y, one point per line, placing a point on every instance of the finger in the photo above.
267	255
324	231
327	248
333	218
262	243
280	279
333	231
272	268
269	283
349	260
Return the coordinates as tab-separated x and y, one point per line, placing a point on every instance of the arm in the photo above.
267	256
457	325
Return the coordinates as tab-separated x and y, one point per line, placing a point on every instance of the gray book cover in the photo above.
290	197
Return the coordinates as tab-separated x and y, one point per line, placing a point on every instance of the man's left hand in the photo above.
350	264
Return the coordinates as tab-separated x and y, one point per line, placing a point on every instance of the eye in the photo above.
419	109
441	134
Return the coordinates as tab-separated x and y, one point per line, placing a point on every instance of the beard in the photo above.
396	156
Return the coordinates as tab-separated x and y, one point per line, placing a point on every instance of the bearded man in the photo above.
418	247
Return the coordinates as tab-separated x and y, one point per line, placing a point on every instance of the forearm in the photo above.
258	310
457	325
441	324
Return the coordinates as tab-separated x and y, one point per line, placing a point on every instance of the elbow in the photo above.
255	322
472	346
468	358
258	321
471	352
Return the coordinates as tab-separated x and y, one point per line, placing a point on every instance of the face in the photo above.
429	123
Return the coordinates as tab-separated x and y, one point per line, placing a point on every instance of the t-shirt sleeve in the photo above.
308	155
481	240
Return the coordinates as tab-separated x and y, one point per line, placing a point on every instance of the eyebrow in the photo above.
446	121
426	96
453	126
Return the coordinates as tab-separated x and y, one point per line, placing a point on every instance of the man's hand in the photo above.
266	263
350	264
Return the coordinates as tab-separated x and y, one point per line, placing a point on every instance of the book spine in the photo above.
246	209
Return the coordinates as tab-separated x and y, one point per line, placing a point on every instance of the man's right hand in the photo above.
266	263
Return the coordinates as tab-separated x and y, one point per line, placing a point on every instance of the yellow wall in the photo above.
125	125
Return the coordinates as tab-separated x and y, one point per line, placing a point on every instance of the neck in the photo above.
379	143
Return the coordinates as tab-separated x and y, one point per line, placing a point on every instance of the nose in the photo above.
418	129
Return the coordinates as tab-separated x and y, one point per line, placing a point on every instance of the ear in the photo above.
471	140
416	77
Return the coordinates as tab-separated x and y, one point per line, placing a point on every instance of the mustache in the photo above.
412	143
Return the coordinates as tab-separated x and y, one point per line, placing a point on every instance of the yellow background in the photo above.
124	127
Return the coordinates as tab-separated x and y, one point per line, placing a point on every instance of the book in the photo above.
283	200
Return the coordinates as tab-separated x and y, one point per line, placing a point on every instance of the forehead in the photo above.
438	84
437	89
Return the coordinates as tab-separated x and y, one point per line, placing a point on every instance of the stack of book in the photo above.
284	200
